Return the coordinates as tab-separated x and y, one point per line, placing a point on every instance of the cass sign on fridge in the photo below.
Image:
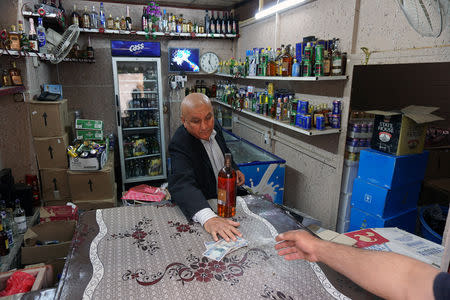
135	48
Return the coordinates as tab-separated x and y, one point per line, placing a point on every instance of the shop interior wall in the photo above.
16	142
312	184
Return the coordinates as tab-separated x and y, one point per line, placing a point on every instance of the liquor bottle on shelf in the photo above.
229	24
14	39
75	16
42	38
89	49
110	22
32	37
123	23
226	189
16	79
144	19
207	22
336	60
94	20
60	7
6	78
212	23
4	245
128	21
117	23
218	23
24	42
286	62
19	218
86	19
234	25
102	16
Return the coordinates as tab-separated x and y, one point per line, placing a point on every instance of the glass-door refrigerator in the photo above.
137	86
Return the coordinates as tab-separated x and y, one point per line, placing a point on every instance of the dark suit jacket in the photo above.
193	181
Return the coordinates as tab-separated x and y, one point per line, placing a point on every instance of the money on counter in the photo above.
218	250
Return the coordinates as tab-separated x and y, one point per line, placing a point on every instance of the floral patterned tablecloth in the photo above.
152	252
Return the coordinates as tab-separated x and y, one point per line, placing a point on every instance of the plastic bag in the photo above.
18	282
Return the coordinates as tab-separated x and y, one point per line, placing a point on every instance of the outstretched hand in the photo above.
297	244
224	227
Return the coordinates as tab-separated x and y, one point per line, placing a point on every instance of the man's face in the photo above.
199	121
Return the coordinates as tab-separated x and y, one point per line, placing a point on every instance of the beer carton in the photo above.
51	151
49	118
88	135
403	132
88	124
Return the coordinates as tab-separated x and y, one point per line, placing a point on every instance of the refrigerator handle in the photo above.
118	111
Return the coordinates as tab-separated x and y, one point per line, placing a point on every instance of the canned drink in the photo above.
85	154
364	128
335	121
298	120
356	128
354	142
292	118
307	69
303	107
307	122
336	107
319	52
320	123
351	156
72	151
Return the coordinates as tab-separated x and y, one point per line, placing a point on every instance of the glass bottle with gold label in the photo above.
117	23
16	79
14	39
86	19
6	78
24	42
123	23
110	22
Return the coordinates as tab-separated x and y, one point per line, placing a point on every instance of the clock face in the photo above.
209	62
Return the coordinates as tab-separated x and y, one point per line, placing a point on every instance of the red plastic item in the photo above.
56	213
19	282
144	192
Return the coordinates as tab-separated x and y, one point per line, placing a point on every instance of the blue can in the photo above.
320	123
336	107
335	121
298	120
302	107
307	122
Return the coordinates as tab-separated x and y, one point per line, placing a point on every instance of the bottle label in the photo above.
41	38
34	45
221	196
21	223
17	80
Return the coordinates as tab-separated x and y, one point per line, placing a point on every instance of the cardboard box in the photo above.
58	213
383	202
390	171
49	118
403	132
98	204
93	185
43	274
88	124
360	219
95	135
52	152
88	164
55	184
61	231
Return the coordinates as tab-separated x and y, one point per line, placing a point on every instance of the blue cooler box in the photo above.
391	171
360	219
383	202
264	171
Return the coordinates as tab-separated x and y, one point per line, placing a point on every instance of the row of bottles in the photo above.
35	41
281	105
11	76
143	167
139	145
201	87
153	19
311	58
12	223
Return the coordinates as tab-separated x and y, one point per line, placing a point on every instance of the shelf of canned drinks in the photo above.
288	78
327	130
158	33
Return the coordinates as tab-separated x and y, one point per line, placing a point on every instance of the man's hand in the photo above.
297	244
224	227
240	180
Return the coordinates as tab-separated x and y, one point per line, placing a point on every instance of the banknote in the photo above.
218	250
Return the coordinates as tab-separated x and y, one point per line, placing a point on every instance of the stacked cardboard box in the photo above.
50	127
386	191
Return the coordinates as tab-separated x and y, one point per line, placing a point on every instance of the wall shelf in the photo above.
277	78
10	90
33	14
42	56
160	34
309	132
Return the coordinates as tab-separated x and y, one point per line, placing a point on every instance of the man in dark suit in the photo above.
197	154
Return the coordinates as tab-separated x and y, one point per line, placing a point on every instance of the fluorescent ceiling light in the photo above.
278	7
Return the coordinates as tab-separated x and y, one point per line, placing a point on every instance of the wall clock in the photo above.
209	62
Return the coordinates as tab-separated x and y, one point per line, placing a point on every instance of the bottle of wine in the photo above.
207	22
128	20
212	23
218	24
86	19
226	190
32	38
75	16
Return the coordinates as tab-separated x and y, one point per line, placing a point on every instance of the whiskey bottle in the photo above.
226	190
128	20
75	16
14	39
16	79
24	43
86	19
110	22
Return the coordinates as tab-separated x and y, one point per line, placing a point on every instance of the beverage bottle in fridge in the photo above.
19	218
226	190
